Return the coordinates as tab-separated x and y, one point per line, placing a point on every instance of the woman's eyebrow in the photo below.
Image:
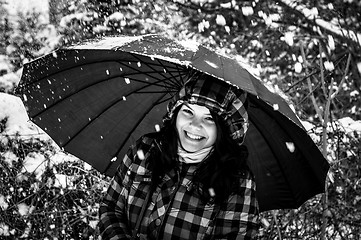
189	107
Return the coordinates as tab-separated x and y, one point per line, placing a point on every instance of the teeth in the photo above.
192	136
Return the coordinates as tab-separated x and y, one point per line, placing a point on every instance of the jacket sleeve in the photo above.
239	219
113	223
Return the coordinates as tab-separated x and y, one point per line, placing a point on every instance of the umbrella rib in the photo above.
139	121
172	80
135	69
255	119
164	100
165	68
148	84
147	74
135	126
151	83
174	91
181	75
222	66
27	83
169	87
104	110
176	83
263	136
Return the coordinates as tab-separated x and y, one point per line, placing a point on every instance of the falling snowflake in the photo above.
23	209
291	146
203	25
140	154
298	67
288	38
3	203
157	127
329	65
247	11
213	65
276	107
331	42
211	192
220	20
4	230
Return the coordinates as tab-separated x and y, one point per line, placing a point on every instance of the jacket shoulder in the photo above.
143	150
146	144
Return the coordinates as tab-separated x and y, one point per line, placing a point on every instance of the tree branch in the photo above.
344	77
344	34
309	84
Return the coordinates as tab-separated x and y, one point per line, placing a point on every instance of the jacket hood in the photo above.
220	97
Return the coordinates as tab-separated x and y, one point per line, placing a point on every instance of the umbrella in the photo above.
96	98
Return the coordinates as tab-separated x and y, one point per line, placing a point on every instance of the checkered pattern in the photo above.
175	210
220	97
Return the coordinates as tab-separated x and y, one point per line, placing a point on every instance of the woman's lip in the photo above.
193	136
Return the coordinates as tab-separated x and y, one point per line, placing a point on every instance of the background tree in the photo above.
309	51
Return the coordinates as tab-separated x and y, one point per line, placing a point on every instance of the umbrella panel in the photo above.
98	104
282	169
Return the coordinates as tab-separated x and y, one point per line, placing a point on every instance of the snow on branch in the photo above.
311	15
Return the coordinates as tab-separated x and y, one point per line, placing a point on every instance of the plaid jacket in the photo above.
174	211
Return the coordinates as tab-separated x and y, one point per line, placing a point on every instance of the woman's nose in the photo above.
196	122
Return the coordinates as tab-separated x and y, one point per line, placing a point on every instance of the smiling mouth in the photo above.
193	136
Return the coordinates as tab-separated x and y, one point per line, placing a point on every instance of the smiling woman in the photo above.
196	128
191	180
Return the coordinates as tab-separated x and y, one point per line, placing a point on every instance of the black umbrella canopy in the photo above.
95	99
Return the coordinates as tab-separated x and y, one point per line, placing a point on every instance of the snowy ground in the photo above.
12	108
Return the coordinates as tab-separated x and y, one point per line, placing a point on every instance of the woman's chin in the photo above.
190	147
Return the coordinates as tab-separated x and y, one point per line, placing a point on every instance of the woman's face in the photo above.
196	127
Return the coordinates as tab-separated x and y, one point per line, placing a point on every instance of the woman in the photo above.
189	180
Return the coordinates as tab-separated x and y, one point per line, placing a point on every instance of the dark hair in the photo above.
221	170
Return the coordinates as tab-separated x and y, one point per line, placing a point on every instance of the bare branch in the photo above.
344	34
333	95
309	84
322	71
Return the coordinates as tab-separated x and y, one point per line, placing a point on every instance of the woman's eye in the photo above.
209	119
187	111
